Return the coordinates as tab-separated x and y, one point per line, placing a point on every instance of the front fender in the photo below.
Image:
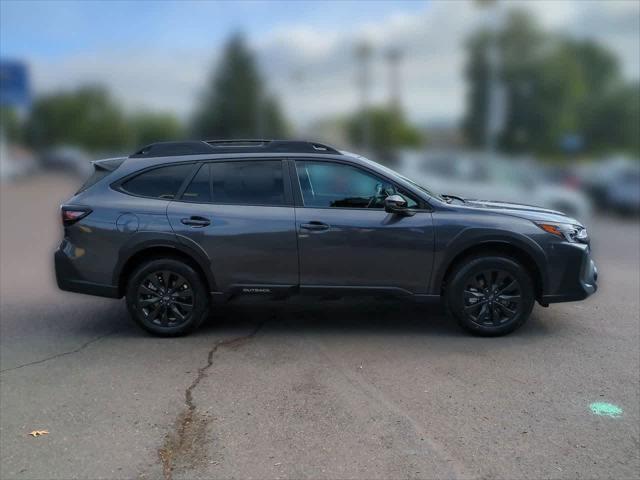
450	247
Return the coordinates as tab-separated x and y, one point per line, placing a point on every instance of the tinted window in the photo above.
101	170
248	183
198	190
162	182
335	185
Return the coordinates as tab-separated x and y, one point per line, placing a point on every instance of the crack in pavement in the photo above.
189	423
58	355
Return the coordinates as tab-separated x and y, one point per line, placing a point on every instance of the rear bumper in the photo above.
579	279
70	280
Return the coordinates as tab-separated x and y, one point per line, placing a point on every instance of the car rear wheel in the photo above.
167	297
490	295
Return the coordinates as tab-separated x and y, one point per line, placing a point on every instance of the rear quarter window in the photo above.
101	170
161	182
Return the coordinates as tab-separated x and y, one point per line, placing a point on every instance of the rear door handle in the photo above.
315	225
196	221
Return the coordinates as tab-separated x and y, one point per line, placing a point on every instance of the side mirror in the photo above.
396	204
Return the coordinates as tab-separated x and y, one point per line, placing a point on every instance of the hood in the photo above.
529	212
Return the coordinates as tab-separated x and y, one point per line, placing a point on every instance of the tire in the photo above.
490	295
167	297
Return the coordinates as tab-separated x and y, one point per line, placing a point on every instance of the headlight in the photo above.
571	233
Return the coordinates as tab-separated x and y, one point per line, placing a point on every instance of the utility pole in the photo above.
363	57
394	57
495	95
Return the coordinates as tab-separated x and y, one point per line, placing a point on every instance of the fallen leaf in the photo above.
38	433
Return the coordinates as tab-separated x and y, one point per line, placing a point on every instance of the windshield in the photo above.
396	174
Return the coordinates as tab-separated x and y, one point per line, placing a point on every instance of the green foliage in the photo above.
555	86
87	117
10	125
388	129
614	120
234	104
149	127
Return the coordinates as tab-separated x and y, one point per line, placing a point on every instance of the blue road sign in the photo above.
571	142
14	84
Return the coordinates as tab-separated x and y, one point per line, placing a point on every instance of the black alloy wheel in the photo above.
165	298
492	297
490	294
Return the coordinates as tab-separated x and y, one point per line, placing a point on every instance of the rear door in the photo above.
347	240
240	212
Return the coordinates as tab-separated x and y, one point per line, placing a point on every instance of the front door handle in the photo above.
196	221
315	225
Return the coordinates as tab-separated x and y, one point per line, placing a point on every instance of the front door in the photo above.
240	213
347	240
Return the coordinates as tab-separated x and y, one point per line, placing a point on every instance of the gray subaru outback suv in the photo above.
179	226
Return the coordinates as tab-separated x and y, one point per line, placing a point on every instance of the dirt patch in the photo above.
187	445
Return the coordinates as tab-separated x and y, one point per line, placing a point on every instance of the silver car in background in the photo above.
479	176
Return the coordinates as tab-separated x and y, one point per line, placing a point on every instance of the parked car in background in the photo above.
16	162
67	159
477	176
623	192
179	225
613	183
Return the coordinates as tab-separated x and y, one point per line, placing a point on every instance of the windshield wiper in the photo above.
452	197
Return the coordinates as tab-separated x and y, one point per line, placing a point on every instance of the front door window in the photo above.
334	185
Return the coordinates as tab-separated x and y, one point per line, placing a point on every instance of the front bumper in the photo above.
70	280
576	275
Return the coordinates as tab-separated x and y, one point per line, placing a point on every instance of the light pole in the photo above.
496	99
363	56
394	57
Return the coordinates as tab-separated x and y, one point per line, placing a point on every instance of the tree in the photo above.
10	125
518	44
149	127
86	117
389	130
274	123
614	121
234	104
556	88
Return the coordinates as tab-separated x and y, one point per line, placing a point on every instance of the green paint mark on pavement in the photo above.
605	409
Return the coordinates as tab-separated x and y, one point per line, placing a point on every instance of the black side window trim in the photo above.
286	181
299	201
118	185
190	177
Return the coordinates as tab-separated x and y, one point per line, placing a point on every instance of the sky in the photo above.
157	55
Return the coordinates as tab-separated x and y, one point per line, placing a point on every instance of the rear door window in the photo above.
248	183
162	182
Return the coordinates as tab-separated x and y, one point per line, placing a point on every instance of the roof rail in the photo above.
199	147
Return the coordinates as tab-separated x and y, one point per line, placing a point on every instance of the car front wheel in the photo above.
167	297
490	295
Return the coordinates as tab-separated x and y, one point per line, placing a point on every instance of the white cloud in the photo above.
433	42
313	71
139	79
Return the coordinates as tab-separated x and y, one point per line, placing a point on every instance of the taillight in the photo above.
71	215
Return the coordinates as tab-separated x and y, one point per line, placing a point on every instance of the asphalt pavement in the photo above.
305	389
